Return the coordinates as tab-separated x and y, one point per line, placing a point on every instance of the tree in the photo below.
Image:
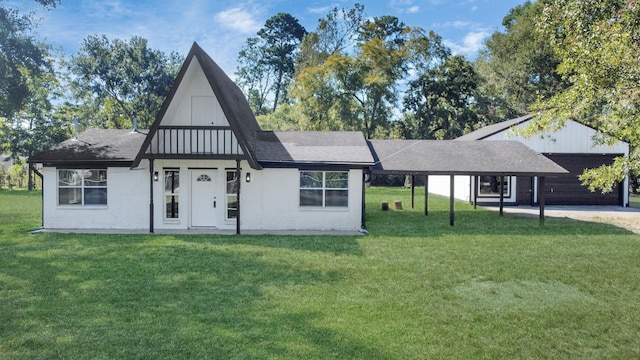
317	89
19	53
267	62
253	76
444	102
35	126
372	76
518	67
117	78
598	44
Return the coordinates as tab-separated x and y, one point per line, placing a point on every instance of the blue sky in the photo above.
222	27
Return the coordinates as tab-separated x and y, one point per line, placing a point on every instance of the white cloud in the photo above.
471	43
413	10
239	20
320	10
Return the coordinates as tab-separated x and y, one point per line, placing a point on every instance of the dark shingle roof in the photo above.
489	130
94	146
320	147
461	158
231	99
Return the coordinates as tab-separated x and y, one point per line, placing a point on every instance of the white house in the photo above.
571	147
206	164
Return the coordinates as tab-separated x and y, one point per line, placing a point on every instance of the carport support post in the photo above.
413	190
451	192
475	191
541	196
501	186
426	195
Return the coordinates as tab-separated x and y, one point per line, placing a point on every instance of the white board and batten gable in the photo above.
194	103
572	138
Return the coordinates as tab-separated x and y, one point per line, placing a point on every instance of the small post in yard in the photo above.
451	192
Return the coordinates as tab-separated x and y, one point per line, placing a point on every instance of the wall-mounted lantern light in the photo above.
248	178
155	176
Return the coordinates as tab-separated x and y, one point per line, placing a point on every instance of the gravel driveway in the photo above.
625	217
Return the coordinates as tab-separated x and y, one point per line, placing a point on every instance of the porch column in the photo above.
238	177
151	176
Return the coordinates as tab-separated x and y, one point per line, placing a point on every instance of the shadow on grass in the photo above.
337	245
469	221
116	296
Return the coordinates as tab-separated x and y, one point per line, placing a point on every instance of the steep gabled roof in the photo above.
231	99
287	148
104	147
489	130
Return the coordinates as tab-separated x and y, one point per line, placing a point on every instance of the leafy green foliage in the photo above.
444	102
266	63
20	54
517	65
111	93
598	44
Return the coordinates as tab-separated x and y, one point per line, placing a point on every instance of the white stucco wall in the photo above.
127	203
440	185
270	201
279	208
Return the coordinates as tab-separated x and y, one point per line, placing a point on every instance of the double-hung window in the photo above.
82	187
172	193
324	188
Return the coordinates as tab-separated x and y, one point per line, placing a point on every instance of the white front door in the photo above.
205	202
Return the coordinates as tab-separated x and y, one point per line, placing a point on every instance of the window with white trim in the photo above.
172	193
82	187
489	186
324	188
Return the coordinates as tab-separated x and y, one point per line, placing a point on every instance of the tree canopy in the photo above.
20	53
111	93
598	44
266	62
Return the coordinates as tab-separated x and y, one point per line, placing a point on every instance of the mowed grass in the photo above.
414	288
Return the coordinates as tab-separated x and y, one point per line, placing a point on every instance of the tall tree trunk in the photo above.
278	86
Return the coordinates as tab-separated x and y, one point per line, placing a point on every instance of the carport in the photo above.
473	158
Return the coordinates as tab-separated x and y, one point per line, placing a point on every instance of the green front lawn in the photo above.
414	288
